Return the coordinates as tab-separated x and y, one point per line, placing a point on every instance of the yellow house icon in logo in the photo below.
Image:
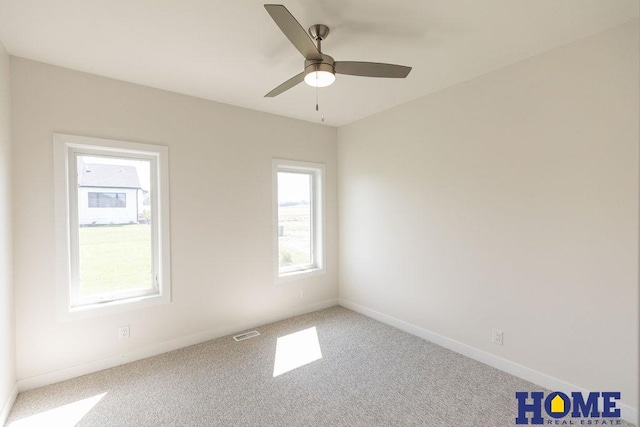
557	404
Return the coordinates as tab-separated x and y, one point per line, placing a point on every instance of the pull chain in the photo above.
318	99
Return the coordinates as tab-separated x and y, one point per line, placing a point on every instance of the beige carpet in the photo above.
369	374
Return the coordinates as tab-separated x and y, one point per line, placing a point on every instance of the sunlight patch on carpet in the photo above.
296	350
62	416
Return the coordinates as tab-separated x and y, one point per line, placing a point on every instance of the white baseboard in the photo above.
8	404
627	412
42	380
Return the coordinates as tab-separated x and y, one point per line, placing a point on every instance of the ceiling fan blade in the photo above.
298	78
293	30
371	69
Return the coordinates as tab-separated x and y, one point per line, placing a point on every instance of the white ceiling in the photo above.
232	51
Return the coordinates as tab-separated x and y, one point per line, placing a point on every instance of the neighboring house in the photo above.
108	194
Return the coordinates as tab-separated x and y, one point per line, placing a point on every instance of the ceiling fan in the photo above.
320	69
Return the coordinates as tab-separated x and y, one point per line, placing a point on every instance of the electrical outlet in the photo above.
301	294
124	332
497	336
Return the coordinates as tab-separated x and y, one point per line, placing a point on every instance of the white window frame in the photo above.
317	171
66	148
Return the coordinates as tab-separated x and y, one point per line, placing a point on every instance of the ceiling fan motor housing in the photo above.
325	64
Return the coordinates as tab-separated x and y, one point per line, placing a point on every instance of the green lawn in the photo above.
114	258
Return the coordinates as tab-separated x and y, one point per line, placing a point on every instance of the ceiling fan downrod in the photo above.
319	32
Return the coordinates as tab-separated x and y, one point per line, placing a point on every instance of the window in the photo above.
298	201
107	200
113	223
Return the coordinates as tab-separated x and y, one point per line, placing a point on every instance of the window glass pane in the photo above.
115	239
295	229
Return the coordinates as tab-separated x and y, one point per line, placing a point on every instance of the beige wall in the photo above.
511	202
7	341
221	217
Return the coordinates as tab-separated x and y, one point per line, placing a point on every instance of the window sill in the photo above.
299	275
117	306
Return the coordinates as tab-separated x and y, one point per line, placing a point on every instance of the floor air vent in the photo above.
246	335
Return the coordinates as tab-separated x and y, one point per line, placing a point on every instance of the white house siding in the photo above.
97	215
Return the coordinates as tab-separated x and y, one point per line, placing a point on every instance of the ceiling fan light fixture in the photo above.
319	78
319	75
